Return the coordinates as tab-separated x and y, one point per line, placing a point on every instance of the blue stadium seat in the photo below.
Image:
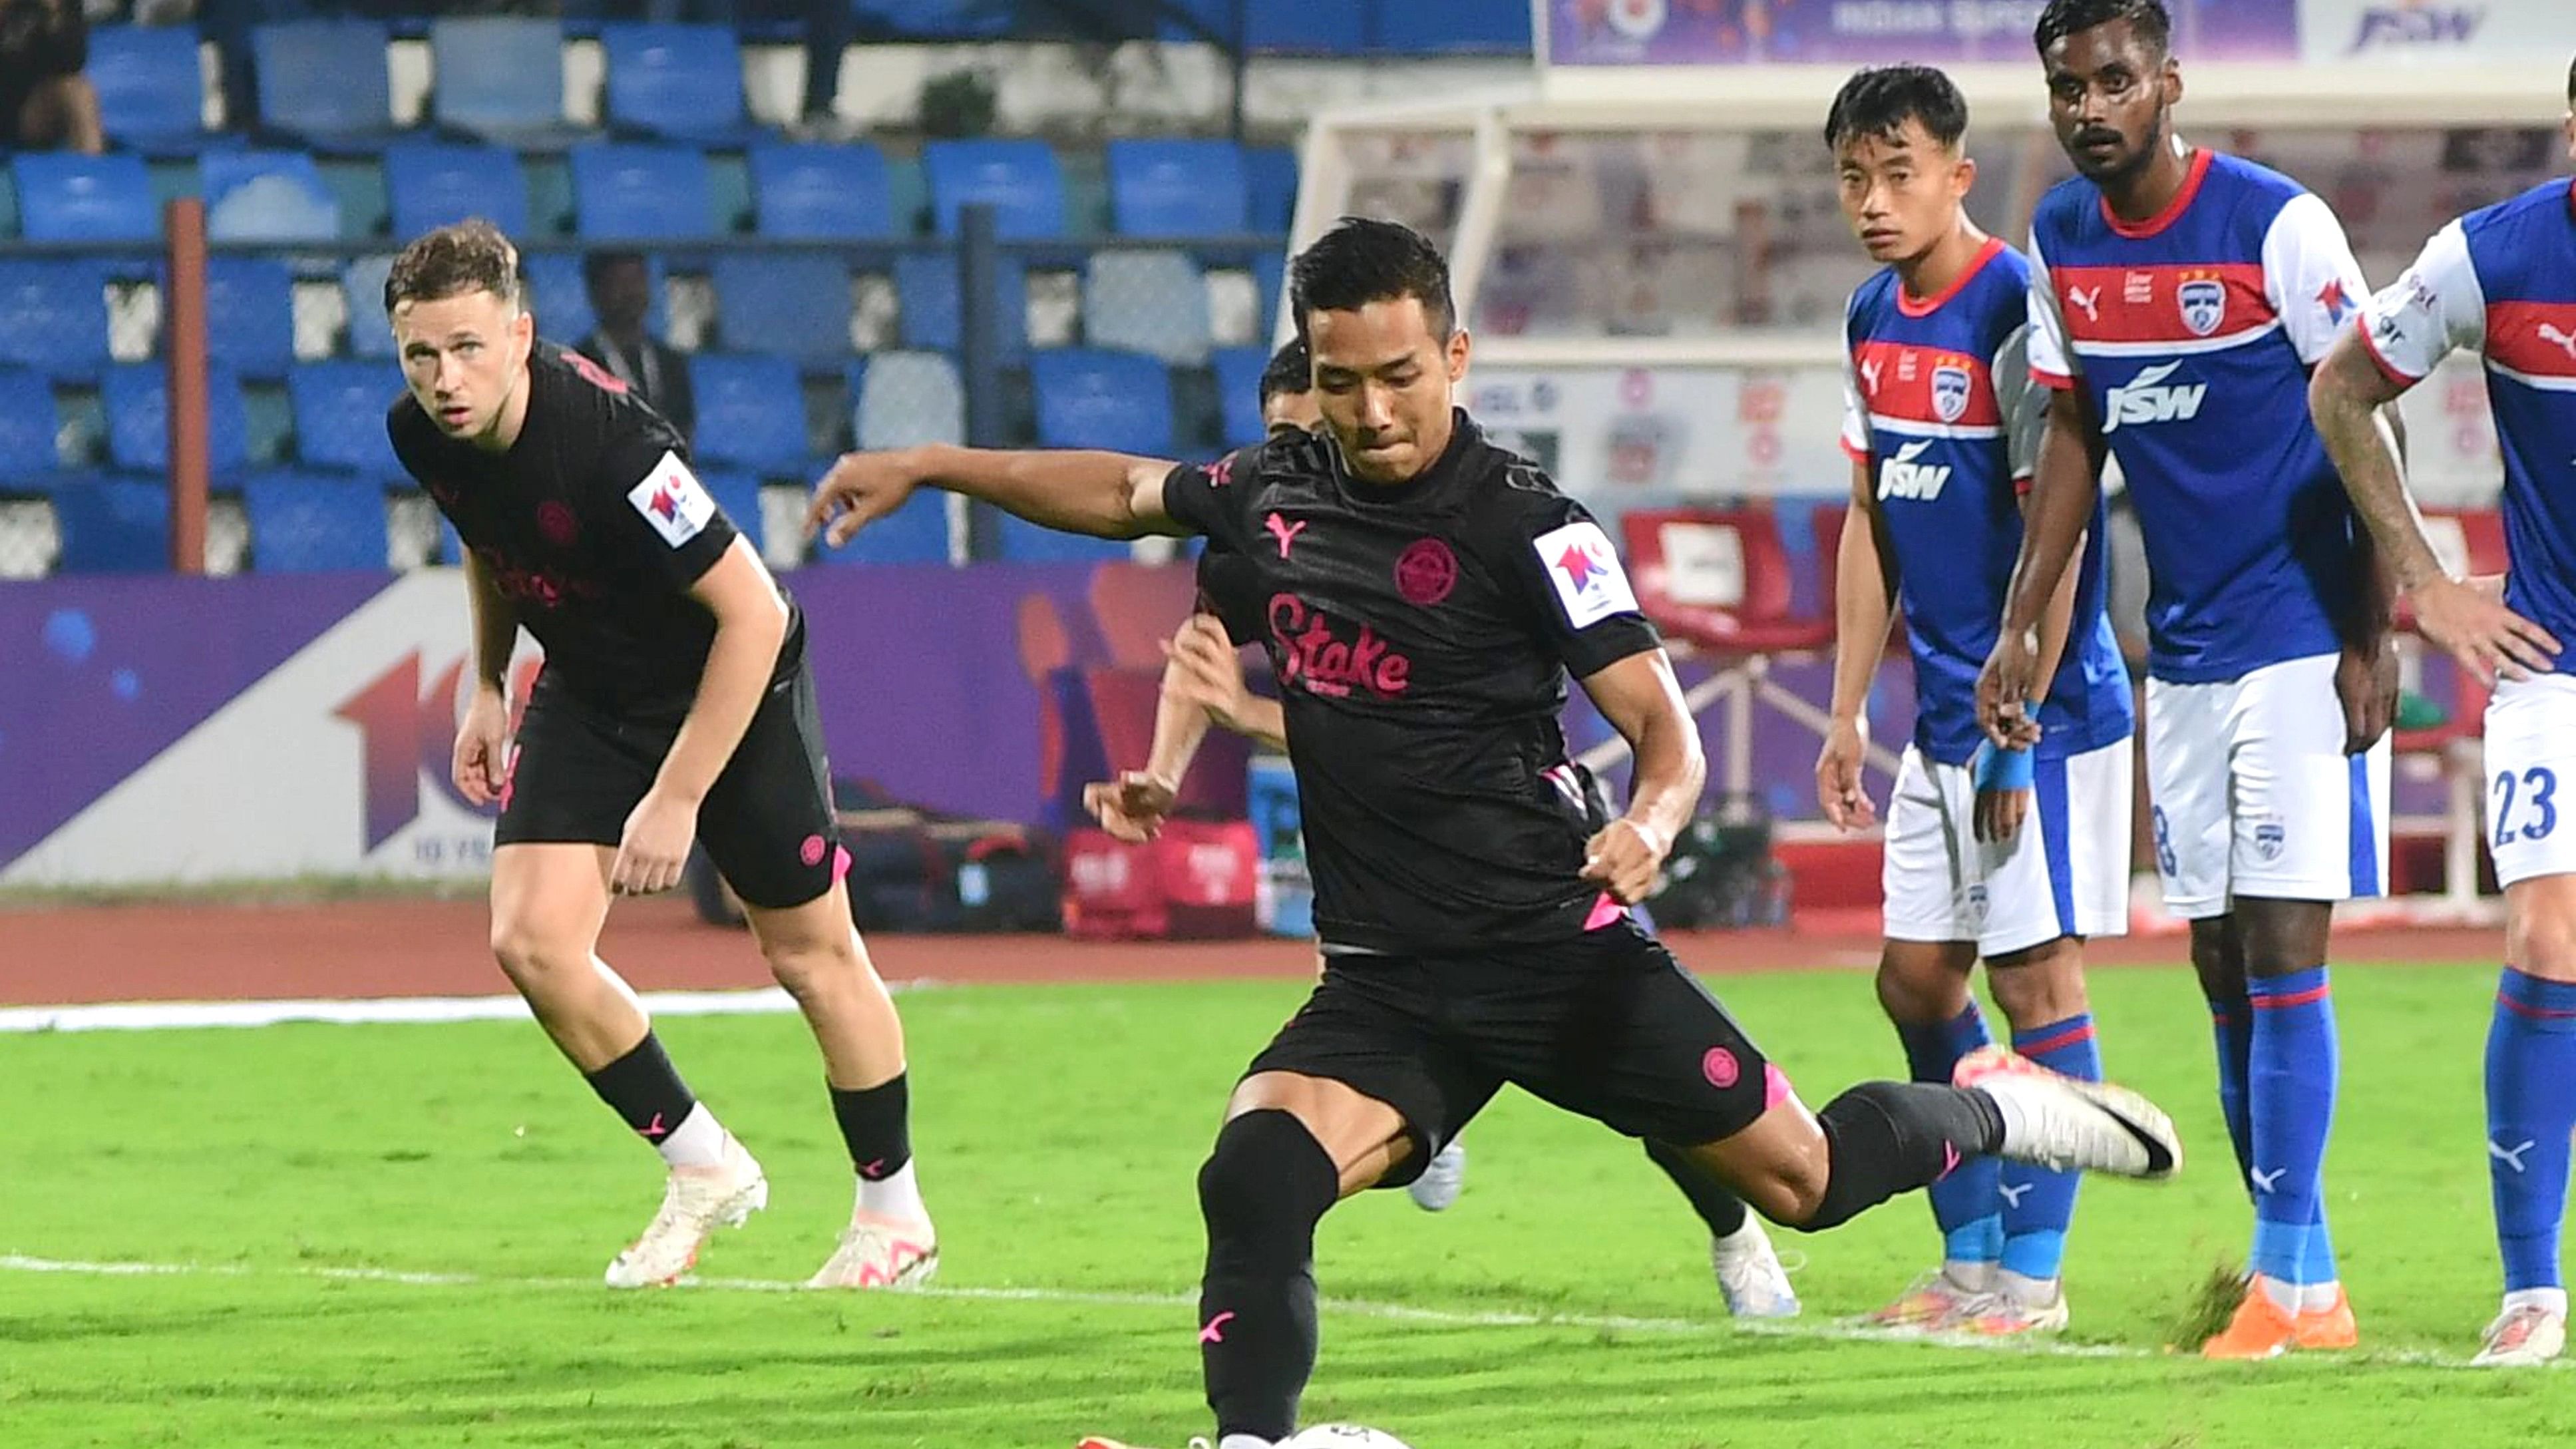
821	191
925	287
339	412
324	83
561	299
751	412
305	523
65	197
53	316
1270	183
114	525
638	192
738	494
1152	301
266	196
1019	541
28	424
1019	179
1088	397
1238	392
1177	188
939	19
150	96
681	82
1494	27
363	285
250	314
916	533
136	397
796	304
1269	288
500	78
431	185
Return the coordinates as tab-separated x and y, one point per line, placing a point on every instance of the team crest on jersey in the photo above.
2204	305
1950	392
2269	838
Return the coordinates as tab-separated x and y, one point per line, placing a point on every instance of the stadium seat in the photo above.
136	397
1269	288
561	299
1177	188
363	285
938	19
65	197
113	525
324	84
925	286
1490	27
821	192
1313	27
916	533
1238	392
1020	180
738	494
500	78
1154	302
795	304
906	399
150	97
678	82
1090	398
1270	188
305	523
639	192
266	196
1019	541
28	425
431	185
751	412
339	410
250	314
53	316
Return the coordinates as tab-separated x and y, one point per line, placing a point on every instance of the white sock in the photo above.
2025	1291
1244	1441
2285	1296
1970	1274
1747	1234
698	1141
2553	1299
2318	1297
896	1195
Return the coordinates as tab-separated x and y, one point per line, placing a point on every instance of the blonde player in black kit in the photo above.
675	704
1425	596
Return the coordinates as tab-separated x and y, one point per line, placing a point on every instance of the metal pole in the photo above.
184	356
979	268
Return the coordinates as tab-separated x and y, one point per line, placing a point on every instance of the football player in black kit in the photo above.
1425	595
675	704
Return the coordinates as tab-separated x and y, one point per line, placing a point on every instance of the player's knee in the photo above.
2218	958
812	970
1915	990
1791	1191
1267	1181
2283	936
528	951
2040	986
2541	940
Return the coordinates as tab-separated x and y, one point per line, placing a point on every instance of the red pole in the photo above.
184	306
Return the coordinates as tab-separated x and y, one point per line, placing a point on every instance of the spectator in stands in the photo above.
621	293
46	103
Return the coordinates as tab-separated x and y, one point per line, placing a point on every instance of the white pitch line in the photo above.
368	1011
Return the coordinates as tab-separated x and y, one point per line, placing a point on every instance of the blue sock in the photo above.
2290	1092
2232	1023
2531	1107
1964	1204
2038	1203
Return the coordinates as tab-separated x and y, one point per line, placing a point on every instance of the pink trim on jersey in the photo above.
1605	912
2144	303
840	863
1906	303
1904	387
2379	359
2535	338
1775	1086
2174	209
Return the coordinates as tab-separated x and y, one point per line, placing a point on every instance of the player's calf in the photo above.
1264	1187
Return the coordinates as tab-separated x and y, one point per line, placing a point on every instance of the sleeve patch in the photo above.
1584	568
671	499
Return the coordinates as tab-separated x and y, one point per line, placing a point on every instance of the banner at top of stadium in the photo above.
1738	32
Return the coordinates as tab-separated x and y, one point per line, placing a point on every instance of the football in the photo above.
1343	1436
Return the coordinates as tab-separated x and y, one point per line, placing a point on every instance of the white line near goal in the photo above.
413	1010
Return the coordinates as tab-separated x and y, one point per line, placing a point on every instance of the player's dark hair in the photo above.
1879	101
471	256
595	265
1291	371
2149	18
1363	260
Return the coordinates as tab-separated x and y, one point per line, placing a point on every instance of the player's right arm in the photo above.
1106	495
481	763
1202	685
1864	608
2400	336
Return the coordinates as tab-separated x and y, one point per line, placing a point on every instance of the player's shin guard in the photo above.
1964	1204
1883	1138
1722	1210
2531	1108
1265	1186
2038	1203
2290	1098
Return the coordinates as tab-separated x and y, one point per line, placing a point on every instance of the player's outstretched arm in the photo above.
1106	495
2464	617
1864	608
2066	484
1643	702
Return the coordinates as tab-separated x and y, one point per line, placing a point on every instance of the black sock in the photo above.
1262	1191
645	1090
1883	1138
876	1126
1721	1209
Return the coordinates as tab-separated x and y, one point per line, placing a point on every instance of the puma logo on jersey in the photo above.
2090	299
1902	477
2147	398
2563	341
